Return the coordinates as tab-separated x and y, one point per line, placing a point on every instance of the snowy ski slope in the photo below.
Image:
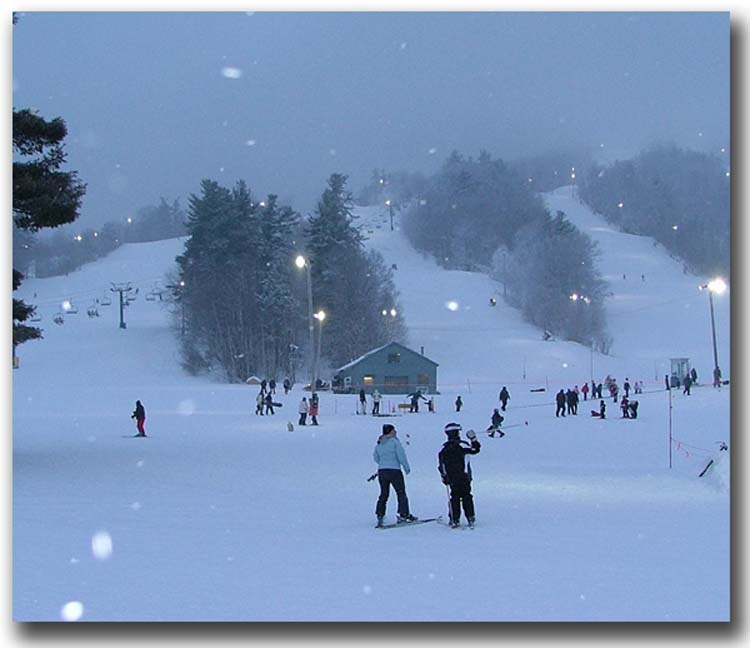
222	515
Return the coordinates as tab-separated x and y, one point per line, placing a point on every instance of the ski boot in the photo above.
379	525
455	524
471	522
406	518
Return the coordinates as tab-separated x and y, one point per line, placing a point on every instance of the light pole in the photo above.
389	204
320	316
301	262
717	286
388	322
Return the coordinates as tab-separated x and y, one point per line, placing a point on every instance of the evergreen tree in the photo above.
43	194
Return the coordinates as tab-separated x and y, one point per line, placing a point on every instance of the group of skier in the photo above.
567	401
376	399
309	408
391	458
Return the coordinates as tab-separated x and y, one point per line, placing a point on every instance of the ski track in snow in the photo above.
222	515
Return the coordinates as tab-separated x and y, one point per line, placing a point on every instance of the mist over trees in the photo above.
400	187
679	197
241	303
62	252
550	276
482	215
351	285
550	170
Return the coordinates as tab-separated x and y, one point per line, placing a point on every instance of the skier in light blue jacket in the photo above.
390	456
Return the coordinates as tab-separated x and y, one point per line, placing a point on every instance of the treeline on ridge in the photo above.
483	215
679	197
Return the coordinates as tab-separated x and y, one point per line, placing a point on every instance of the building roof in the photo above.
349	365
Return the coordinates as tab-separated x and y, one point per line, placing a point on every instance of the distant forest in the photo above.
483	215
61	252
679	197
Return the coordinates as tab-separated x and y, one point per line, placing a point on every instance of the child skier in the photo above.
260	402
139	414
390	456
459	403
453	472
303	411
376	398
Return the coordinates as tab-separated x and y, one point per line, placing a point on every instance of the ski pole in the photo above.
512	425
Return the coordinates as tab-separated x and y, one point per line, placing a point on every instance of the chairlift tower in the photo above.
124	290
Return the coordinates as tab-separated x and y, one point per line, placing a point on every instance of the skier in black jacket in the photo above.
139	414
504	397
497	421
453	472
560	399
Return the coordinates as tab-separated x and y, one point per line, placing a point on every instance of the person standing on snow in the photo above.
414	404
453	472
363	401
287	386
626	387
303	409
694	376
585	391
560	399
376	398
504	397
390	456
269	403
459	403
139	414
260	401
687	383
272	386
717	377
624	407
314	402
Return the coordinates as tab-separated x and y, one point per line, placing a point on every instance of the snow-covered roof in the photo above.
349	365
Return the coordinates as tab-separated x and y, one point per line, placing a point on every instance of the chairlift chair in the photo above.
58	318
105	301
150	296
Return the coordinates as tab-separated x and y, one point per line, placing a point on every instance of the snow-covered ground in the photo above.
222	515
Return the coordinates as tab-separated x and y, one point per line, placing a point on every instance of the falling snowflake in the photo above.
231	72
71	611
186	407
367	589
101	545
451	305
403	46
250	142
432	151
332	151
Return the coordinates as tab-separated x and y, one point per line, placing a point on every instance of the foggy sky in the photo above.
155	102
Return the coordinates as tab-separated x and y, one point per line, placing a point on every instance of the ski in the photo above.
406	524
463	527
135	436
